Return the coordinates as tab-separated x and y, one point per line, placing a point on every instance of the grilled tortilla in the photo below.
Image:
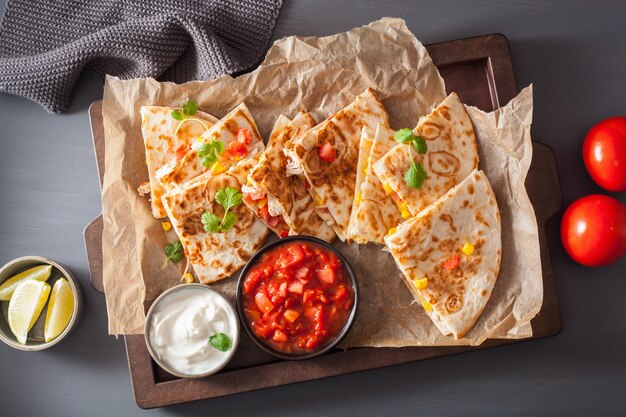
452	154
332	183
463	226
225	130
215	256
165	145
283	202
373	212
281	122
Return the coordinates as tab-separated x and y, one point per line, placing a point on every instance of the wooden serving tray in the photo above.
480	70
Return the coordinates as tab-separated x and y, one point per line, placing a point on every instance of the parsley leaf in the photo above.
419	143
416	175
405	135
178	115
228	198
210	222
221	342
229	221
209	152
174	251
190	108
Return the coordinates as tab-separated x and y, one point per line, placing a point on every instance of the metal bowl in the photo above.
303	355
35	339
149	318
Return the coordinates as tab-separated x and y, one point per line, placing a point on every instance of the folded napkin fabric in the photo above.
45	44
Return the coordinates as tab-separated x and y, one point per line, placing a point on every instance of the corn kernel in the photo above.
358	197
467	249
391	231
317	199
218	168
262	203
427	306
167	226
421	283
405	214
188	278
387	188
365	170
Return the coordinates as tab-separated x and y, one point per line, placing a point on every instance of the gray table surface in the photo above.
575	54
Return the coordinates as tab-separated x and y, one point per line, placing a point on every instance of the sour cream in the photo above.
179	326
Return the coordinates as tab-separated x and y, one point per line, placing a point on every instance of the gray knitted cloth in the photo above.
45	44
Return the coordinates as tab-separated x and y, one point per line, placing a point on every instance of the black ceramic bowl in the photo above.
309	354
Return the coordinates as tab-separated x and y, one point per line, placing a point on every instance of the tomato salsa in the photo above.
297	297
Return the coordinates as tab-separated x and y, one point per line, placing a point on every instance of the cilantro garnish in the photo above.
406	135
190	108
174	252
210	152
228	198
220	341
416	175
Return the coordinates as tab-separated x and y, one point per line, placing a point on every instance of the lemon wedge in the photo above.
25	306
39	273
60	309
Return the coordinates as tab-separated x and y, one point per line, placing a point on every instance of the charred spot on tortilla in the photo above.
443	163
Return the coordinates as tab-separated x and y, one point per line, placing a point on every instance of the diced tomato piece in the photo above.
264	303
291	315
452	263
283	233
307	296
282	290
263	213
252	281
296	287
181	151
273	221
262	331
303	274
327	152
341	293
244	136
237	150
280	336
326	275
306	184
312	343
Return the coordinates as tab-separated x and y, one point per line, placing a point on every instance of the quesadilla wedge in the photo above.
373	211
327	157
452	153
283	202
166	142
281	122
449	254
223	145
218	255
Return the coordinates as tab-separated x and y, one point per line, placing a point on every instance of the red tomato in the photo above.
327	153
244	136
593	230
604	153
264	213
237	150
181	151
452	263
